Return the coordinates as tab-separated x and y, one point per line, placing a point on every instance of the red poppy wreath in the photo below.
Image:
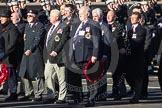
3	73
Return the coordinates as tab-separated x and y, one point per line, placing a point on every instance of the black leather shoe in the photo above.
60	102
133	101
37	99
130	92
27	98
117	98
12	97
49	101
90	103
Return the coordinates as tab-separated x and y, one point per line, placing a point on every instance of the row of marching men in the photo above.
63	49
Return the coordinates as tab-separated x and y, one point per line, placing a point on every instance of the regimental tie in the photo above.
49	35
75	38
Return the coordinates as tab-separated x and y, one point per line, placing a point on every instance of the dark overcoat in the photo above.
32	66
10	35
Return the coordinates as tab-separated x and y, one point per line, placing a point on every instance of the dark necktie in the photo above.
110	27
130	32
50	34
76	37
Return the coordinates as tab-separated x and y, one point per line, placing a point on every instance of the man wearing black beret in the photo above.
32	66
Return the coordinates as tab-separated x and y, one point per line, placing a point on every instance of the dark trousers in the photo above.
119	88
145	80
12	80
75	83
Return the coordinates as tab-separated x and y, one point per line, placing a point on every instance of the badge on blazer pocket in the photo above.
88	35
57	38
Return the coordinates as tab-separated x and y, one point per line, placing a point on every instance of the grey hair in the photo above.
98	11
56	12
86	9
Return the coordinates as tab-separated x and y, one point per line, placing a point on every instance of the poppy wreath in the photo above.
95	75
3	73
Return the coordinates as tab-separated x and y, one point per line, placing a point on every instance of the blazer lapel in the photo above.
75	27
55	31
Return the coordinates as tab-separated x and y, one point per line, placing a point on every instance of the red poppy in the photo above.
4	30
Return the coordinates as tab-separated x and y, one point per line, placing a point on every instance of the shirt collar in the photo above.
135	25
56	24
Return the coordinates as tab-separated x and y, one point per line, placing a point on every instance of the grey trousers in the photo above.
51	72
29	88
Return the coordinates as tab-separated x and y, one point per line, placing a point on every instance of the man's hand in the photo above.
93	59
28	52
53	53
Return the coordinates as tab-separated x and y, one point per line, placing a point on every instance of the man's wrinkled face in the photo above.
15	18
83	15
53	18
96	17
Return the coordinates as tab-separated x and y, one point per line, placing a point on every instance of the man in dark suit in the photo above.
17	21
117	30
135	74
148	51
85	40
10	34
55	58
32	66
97	15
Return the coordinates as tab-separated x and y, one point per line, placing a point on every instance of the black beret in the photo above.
33	11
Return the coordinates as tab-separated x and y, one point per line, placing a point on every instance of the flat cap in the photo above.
5	13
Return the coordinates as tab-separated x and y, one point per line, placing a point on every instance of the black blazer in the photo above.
56	43
87	46
138	40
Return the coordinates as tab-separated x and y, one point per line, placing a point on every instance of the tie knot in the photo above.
30	24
